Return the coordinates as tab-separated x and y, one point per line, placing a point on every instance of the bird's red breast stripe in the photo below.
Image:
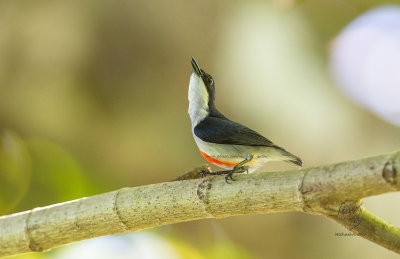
216	161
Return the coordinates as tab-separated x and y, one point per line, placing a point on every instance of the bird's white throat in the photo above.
198	99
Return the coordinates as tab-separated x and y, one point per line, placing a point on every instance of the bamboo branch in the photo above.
318	190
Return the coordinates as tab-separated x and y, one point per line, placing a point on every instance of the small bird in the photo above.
223	142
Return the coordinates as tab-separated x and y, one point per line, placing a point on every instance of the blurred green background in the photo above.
93	97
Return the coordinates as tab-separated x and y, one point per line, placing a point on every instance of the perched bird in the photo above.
223	142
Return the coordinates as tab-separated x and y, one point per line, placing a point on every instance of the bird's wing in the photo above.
220	130
223	131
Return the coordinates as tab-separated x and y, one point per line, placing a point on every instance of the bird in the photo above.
223	142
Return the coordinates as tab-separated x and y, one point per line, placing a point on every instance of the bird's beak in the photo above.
196	67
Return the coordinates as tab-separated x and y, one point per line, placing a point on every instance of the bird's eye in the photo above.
210	81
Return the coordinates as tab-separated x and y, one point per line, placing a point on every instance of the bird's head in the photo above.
201	93
205	80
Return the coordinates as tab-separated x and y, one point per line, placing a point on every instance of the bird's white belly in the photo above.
227	156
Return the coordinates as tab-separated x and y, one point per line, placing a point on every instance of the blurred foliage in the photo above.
329	17
57	176
227	250
30	256
15	170
146	244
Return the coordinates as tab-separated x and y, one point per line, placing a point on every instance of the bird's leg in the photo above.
239	168
204	173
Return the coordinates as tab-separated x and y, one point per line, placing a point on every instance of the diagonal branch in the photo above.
376	230
319	190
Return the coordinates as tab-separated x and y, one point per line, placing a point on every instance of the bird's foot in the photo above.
229	176
228	173
235	170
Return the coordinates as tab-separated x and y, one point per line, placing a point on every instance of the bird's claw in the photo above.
229	176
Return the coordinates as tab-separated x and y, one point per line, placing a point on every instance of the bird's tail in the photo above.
289	157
